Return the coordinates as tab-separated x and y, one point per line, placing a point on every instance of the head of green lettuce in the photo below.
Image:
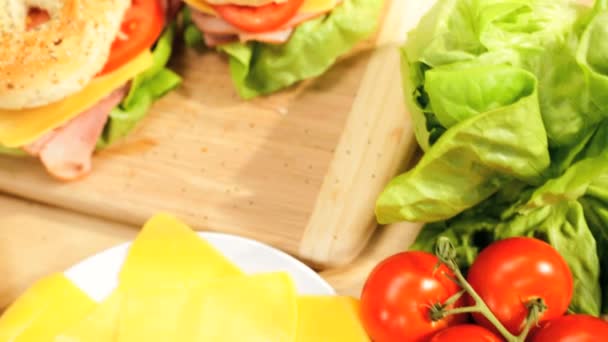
145	89
314	46
509	100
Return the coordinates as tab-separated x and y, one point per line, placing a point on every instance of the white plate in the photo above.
98	275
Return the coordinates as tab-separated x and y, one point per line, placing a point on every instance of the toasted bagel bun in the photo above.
60	56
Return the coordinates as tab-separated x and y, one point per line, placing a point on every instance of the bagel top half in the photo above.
58	57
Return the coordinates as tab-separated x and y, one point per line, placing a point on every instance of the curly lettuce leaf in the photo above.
570	212
562	225
193	37
146	88
314	46
11	151
595	204
571	185
477	156
507	32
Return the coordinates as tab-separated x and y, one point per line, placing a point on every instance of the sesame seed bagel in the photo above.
60	56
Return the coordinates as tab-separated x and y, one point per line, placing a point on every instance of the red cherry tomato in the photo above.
259	19
397	295
511	272
572	328
142	25
466	333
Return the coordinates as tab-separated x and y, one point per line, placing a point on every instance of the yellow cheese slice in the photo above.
329	319
257	308
317	6
167	251
153	314
49	307
202	6
101	325
21	127
309	6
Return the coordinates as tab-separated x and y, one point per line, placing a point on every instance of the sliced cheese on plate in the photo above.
101	325
174	286
168	250
46	309
153	314
256	308
329	319
21	127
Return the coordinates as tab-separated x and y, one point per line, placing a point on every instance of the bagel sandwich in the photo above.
78	75
273	44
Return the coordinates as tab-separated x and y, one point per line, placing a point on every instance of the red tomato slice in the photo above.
141	27
259	19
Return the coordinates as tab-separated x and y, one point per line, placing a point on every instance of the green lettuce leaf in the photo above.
314	46
11	151
193	37
469	59
563	225
508	32
570	212
571	185
500	139
146	88
595	204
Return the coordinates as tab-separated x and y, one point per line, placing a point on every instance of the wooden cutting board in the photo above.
299	170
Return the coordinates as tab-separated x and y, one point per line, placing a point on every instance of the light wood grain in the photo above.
36	240
249	168
377	141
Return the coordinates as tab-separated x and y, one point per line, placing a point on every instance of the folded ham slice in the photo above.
67	151
218	31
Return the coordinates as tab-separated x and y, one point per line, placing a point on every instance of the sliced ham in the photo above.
273	37
67	151
214	25
213	40
34	148
216	30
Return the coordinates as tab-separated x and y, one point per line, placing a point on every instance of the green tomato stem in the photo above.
446	252
462	310
536	308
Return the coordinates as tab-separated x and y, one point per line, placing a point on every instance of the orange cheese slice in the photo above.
46	309
21	127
